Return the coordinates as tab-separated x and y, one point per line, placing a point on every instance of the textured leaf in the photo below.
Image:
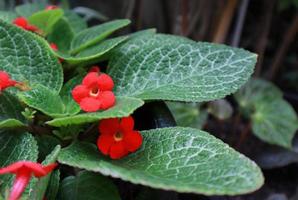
88	186
77	23
175	68
46	144
10	111
28	9
27	58
91	36
93	54
180	159
7	16
124	107
42	184
61	35
275	122
53	186
15	147
44	100
46	19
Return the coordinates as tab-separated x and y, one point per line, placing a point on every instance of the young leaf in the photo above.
15	147
175	68
91	36
275	122
76	22
46	19
94	53
7	16
41	185
124	107
28	58
28	9
180	159
10	111
88	185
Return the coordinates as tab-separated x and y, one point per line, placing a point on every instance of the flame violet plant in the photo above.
62	107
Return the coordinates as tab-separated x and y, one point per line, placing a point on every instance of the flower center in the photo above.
118	136
94	92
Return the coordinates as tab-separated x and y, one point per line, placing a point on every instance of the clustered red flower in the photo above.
95	92
23	23
24	170
118	137
6	81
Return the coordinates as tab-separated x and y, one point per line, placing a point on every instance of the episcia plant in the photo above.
66	124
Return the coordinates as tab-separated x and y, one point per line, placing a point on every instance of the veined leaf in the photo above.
7	16
77	23
124	107
88	186
175	68
28	58
180	159
91	36
53	186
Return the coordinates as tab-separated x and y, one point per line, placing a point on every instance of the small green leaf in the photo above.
76	22
124	107
180	159
7	16
44	100
53	186
46	19
91	36
28	58
28	9
42	184
88	186
15	147
94	53
275	122
175	68
61	35
10	111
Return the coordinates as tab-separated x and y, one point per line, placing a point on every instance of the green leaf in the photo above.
275	122
61	35
175	68
124	107
10	111
257	90
94	53
28	58
46	144
76	22
91	36
44	100
46	19
88	186
26	10
180	159
7	16
53	186
42	184
15	147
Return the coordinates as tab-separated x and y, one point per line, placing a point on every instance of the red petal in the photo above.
13	168
133	141
80	92
109	126
54	46
21	181
107	99
34	167
105	82
31	28
118	151
48	169
90	104
104	143
127	124
21	22
95	69
90	80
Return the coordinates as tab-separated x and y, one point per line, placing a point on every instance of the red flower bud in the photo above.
23	23
5	81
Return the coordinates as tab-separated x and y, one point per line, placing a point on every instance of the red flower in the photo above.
51	7
5	81
95	92
23	23
54	46
23	171
94	69
117	137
